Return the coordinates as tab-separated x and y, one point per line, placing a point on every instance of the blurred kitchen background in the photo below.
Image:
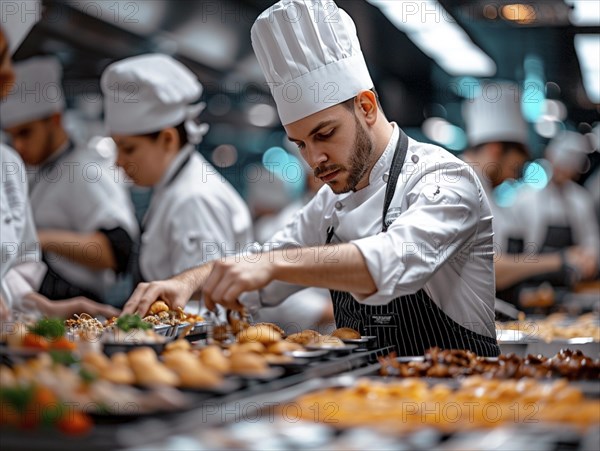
425	57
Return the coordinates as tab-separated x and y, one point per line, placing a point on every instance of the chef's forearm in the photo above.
511	269
196	277
92	250
337	267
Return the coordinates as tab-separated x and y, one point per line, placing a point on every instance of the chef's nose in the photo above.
315	156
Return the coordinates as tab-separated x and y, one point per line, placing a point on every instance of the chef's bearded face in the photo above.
337	145
36	140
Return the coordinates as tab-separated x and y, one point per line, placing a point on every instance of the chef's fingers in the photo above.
133	301
96	309
152	293
209	286
231	296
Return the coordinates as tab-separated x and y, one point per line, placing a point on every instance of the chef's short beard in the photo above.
360	161
358	164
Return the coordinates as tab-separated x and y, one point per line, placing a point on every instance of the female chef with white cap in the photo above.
194	215
410	258
560	217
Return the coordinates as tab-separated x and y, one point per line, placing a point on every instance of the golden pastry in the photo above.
212	357
248	363
304	337
261	334
346	333
157	307
281	347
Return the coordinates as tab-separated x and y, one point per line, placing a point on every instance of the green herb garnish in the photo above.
61	357
50	328
129	322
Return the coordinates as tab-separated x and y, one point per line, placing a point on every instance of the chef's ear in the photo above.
169	139
55	119
367	104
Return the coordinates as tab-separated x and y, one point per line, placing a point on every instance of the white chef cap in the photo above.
569	150
495	115
18	18
36	94
310	55
148	93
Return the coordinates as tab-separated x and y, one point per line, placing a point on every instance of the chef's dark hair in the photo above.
507	146
183	139
349	104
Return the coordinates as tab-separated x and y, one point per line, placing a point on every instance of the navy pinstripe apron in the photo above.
411	323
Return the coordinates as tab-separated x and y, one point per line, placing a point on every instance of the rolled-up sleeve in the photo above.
441	217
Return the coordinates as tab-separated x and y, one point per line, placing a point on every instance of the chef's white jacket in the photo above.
21	269
81	192
570	205
195	218
440	238
506	223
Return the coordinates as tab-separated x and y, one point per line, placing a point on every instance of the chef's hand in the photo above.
68	307
231	277
4	310
174	292
583	261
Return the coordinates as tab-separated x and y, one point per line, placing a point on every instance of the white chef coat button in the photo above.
414	159
386	177
338	205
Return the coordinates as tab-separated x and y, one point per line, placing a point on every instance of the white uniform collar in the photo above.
175	165
383	164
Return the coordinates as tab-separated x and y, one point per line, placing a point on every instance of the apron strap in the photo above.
395	170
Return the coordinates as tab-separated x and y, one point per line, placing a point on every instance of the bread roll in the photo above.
118	373
181	343
283	346
212	357
157	307
346	333
259	334
258	348
248	363
275	327
192	374
326	341
304	337
95	362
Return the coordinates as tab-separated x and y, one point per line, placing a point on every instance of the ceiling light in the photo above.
585	12
436	33
518	12
588	49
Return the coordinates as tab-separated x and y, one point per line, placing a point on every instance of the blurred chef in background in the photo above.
21	269
497	151
560	217
194	215
401	234
85	225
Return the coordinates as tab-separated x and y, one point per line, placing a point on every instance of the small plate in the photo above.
229	385
313	354
272	373
335	349
363	339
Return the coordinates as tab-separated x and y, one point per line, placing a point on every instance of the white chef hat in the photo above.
18	18
36	94
569	150
310	55
148	93
495	115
